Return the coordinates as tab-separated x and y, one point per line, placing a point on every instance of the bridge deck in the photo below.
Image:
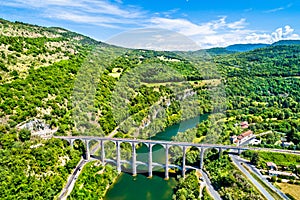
174	143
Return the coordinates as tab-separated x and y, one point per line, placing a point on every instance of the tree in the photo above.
254	158
228	180
24	135
273	179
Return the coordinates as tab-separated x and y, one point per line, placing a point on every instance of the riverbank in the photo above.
94	181
114	180
104	182
128	187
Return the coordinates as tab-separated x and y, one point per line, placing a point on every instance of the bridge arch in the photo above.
159	153
142	167
158	167
143	151
126	150
142	156
93	145
193	156
126	166
176	154
110	149
172	166
111	162
78	144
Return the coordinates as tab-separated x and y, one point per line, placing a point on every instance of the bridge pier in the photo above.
166	144
167	163
118	157
239	151
71	141
220	152
201	157
102	152
87	150
133	164
183	161
150	161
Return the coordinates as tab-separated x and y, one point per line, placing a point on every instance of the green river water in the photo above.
140	187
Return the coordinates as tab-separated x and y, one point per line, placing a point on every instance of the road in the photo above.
71	180
254	170
214	194
262	190
66	191
254	136
113	133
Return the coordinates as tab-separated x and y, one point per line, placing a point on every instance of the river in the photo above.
128	187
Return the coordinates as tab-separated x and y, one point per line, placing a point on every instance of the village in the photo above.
266	167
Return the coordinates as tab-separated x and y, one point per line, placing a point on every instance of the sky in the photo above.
210	23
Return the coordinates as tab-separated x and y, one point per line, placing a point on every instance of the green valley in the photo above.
71	85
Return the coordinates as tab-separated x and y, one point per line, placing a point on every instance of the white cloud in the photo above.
278	9
102	13
182	26
274	10
114	14
188	28
104	21
246	37
221	32
238	24
283	34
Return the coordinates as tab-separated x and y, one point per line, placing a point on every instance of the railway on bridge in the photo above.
150	143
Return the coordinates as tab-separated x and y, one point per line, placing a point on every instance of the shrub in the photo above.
273	179
24	135
279	180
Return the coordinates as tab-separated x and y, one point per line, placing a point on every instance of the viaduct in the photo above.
150	143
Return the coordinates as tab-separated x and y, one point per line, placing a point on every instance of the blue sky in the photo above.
209	23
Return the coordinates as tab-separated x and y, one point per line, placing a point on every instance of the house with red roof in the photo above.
244	124
242	137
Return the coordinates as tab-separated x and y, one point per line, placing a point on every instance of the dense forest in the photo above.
262	88
35	169
79	86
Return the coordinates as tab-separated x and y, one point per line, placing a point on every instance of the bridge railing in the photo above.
165	144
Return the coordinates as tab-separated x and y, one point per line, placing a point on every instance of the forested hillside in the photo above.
37	69
262	88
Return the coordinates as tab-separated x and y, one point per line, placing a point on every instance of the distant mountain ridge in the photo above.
24	30
245	47
287	42
249	47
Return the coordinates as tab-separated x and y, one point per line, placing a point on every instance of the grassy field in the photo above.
163	83
213	82
278	158
293	190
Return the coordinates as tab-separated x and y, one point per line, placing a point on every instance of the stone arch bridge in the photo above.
150	143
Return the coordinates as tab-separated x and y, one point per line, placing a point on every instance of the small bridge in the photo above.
150	143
